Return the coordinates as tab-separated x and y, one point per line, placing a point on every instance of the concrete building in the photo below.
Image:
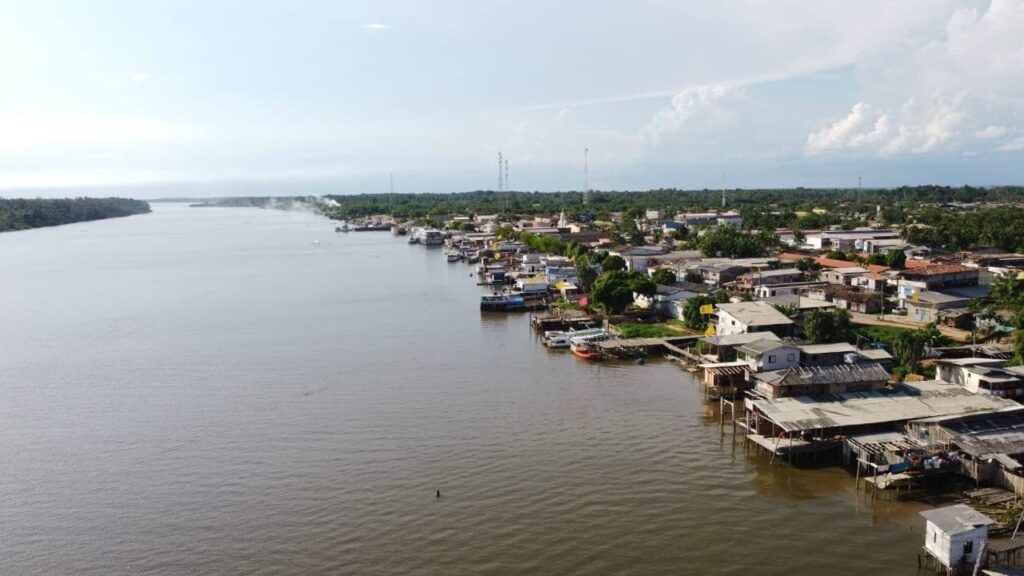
767	355
744	317
842	276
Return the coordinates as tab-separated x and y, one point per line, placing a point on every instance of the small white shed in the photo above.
954	534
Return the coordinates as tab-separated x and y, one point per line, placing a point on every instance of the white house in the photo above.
757	316
954	534
766	355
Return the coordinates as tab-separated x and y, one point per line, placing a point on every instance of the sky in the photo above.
214	97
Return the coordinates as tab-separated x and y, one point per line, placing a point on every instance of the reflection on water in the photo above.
244	391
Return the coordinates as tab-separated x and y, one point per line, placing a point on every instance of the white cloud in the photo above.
377	26
959	93
691	102
138	78
991	131
24	132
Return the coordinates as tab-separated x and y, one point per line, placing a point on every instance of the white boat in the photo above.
559	339
432	238
453	256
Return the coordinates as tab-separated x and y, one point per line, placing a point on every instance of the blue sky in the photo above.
214	97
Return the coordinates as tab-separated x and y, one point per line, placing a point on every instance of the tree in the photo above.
693	277
836	255
878	260
691	312
826	326
585	272
613	263
664	276
809	268
728	242
909	347
613	291
896	259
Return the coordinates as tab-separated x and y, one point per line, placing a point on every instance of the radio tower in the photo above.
723	191
586	177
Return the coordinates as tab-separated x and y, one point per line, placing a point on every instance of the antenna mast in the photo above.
723	191
586	175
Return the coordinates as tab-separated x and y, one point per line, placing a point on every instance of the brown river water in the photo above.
237	391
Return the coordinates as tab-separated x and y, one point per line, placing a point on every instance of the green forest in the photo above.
784	203
22	214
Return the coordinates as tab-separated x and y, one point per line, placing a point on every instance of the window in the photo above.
968	547
790	357
771	358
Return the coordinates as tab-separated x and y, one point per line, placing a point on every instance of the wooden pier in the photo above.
639	347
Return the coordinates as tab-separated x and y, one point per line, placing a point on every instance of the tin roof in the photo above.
957	518
909	401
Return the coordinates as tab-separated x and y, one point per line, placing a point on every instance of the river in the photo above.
240	391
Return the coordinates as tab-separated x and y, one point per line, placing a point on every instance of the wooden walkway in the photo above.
629	347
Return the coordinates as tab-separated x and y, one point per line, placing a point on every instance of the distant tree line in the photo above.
22	214
770	208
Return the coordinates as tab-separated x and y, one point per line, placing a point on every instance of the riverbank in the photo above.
24	214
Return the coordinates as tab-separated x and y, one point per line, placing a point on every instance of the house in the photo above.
716	272
820	380
857	300
927	306
991	444
816	423
825	354
784	289
955	534
988	376
743	317
667	301
872	282
847	239
883	245
936	277
758	278
842	276
767	355
710	219
721	348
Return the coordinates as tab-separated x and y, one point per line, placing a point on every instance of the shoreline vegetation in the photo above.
27	213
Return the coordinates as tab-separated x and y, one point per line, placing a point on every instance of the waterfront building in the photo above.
741	317
954	535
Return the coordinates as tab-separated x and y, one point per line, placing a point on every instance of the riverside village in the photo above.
855	347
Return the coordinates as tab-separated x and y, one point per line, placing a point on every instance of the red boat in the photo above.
583	351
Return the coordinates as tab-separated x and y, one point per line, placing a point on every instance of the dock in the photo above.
638	347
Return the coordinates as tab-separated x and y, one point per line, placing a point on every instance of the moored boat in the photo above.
510	303
561	339
583	350
453	256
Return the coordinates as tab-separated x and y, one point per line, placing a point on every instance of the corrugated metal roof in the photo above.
909	401
957	518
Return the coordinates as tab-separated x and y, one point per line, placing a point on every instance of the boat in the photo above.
453	256
584	346
509	303
583	351
432	238
414	239
400	231
343	228
374	227
561	339
473	258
